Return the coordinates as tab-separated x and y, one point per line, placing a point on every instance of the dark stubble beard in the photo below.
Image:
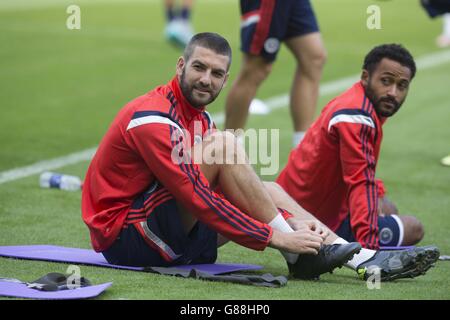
187	90
377	102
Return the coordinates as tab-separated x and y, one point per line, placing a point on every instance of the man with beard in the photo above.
332	172
149	197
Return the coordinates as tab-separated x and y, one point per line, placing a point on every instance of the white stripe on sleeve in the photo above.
151	119
365	120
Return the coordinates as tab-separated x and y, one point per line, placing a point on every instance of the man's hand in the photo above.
304	240
313	225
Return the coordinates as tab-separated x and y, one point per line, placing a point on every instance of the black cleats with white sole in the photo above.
310	267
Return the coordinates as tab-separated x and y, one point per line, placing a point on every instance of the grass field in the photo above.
60	90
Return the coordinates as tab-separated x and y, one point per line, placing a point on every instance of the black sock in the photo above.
185	13
170	14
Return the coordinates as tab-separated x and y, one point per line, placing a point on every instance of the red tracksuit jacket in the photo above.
136	150
332	172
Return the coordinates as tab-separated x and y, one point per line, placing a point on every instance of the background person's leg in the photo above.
178	26
443	40
186	9
169	7
263	25
254	71
310	55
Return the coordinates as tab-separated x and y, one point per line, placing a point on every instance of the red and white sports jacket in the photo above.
136	150
332	172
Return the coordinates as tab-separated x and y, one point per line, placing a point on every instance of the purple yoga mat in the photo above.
20	290
90	257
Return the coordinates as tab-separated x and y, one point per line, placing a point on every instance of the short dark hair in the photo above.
391	51
209	40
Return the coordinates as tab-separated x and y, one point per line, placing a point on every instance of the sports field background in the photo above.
60	90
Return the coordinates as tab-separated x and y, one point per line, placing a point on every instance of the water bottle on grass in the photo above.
60	181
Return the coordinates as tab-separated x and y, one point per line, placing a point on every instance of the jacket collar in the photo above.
183	106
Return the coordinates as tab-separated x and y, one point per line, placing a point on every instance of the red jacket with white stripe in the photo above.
332	172
137	150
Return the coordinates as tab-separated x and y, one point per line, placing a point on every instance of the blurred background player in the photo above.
443	40
265	24
436	8
178	25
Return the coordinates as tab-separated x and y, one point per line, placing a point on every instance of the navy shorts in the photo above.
266	23
390	231
161	241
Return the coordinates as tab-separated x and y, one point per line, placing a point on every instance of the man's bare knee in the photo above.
413	230
320	58
309	53
255	71
312	67
210	155
221	147
315	60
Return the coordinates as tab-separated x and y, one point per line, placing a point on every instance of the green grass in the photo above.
60	90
